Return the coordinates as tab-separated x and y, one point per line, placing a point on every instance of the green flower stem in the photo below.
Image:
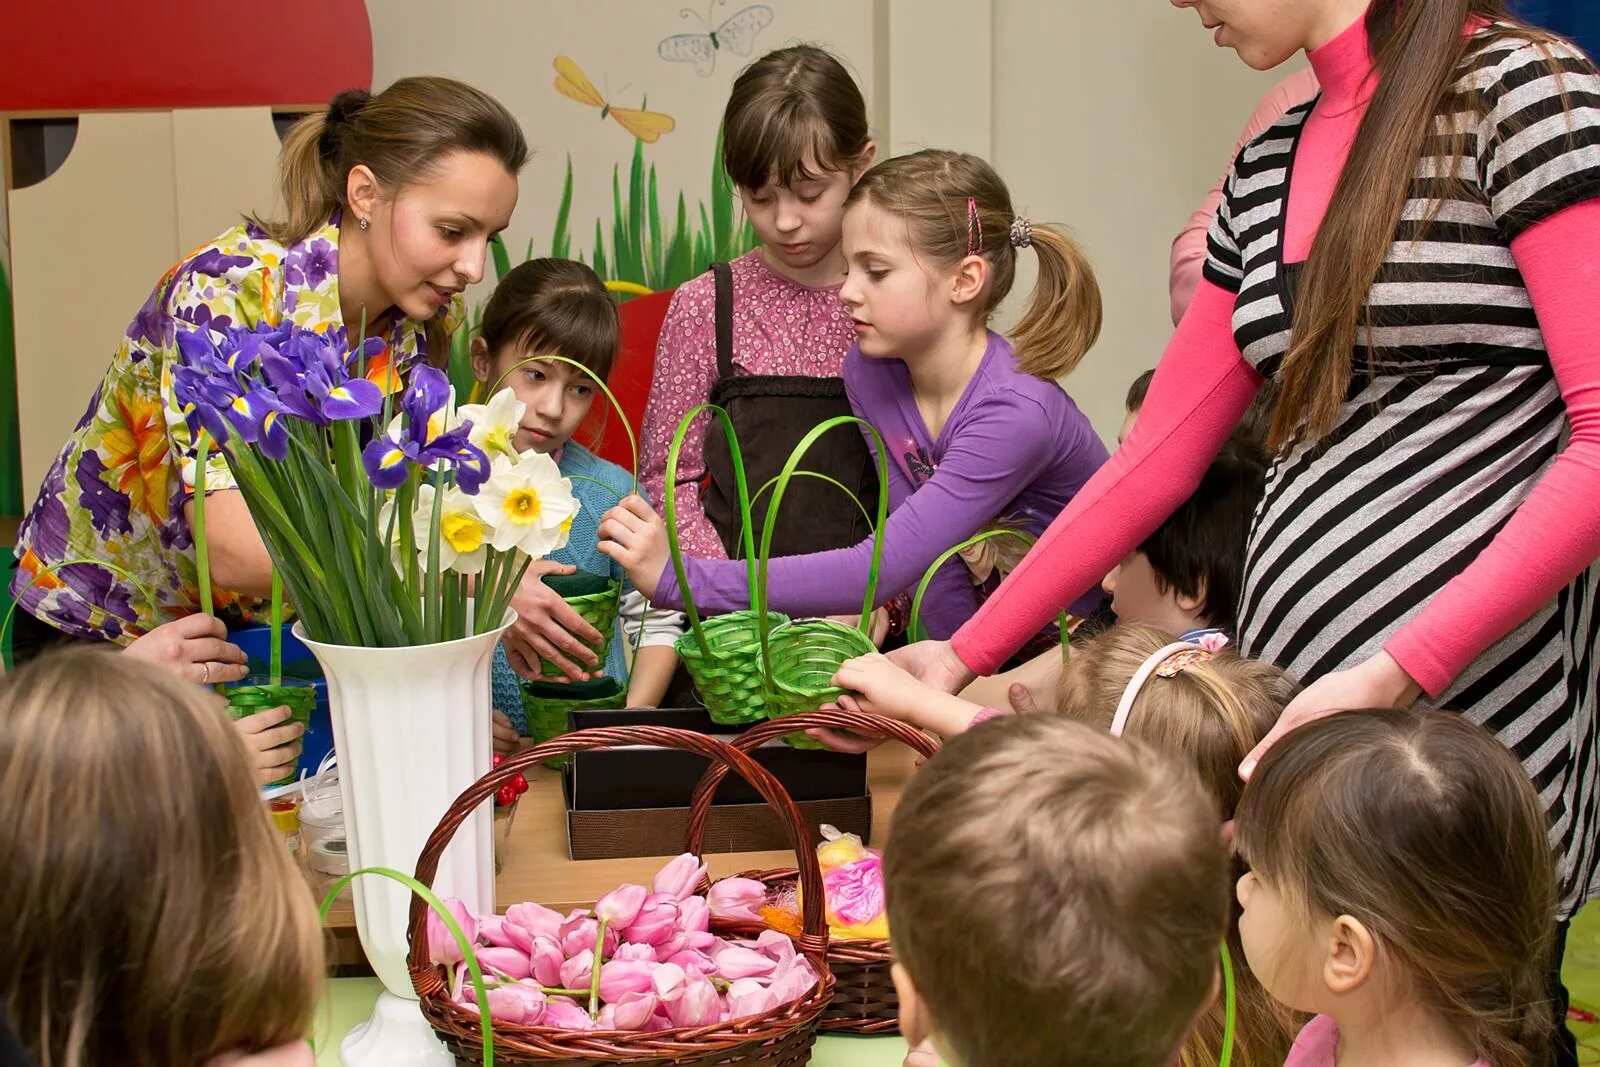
575	993
202	558
599	958
276	620
430	593
1225	1057
914	630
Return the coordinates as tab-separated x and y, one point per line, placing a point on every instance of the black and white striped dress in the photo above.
1436	448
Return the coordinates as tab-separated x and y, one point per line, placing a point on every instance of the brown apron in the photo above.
770	414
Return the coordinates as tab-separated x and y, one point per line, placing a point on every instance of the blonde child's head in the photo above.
153	915
955	220
1209	713
1401	857
548	307
1057	897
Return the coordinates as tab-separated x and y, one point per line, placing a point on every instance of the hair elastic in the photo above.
1021	232
974	228
1166	662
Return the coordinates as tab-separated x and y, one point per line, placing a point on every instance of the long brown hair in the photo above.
553	306
1418	49
153	917
930	190
400	135
1210	714
1425	829
790	106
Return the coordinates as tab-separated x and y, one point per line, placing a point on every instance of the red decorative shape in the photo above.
642	317
95	55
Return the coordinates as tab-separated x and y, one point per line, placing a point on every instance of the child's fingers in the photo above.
277	737
262	720
844	742
635	504
539	568
1021	699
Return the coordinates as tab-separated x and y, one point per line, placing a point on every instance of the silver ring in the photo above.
205	679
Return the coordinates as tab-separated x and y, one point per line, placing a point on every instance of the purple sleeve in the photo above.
997	452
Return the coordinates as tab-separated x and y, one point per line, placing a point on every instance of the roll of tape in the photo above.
329	856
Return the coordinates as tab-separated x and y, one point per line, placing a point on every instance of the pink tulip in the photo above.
656	922
660	1020
855	890
632	1011
578	933
736	961
642	953
693	961
517	1004
621	906
694	915
737	898
507	962
534	918
502	932
442	947
563	1014
793	980
746	996
667	981
578	971
775	946
687	940
679	878
546	961
619	977
697	1005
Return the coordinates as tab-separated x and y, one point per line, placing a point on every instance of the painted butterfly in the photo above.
737	33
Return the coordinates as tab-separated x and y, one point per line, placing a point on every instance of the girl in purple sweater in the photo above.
978	431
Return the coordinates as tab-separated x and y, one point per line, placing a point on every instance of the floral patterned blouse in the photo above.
117	488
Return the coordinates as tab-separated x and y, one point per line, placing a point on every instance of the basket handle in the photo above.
914	631
738	546
761	733
425	975
670	509
790	469
616	405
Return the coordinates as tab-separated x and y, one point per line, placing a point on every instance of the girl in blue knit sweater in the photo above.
560	307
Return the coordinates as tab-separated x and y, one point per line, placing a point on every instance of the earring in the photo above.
363	222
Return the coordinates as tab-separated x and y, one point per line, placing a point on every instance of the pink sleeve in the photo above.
1201	390
685	371
985	714
1555	533
1189	247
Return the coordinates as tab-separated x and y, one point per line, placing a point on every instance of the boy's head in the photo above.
1057	896
1189	573
547	307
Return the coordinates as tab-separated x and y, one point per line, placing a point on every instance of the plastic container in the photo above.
298	663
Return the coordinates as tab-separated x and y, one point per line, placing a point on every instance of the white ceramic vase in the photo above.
412	729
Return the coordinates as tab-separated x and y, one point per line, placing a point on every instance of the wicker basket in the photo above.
727	670
782	1037
864	1000
596	598
257	693
545	706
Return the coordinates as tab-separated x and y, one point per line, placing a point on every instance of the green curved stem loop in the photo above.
144	591
914	630
202	557
1230	1009
486	1025
670	508
790	468
616	405
738	546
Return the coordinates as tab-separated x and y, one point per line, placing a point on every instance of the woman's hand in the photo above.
1378	682
634	535
195	646
272	741
934	663
548	628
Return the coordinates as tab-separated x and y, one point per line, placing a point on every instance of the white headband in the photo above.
1158	660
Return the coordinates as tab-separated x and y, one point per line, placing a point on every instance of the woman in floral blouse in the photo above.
391	201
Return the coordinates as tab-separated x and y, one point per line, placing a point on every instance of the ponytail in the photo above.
1063	318
309	177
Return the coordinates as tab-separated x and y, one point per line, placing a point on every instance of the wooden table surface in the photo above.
533	850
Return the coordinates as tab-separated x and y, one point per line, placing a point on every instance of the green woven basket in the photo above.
545	705
722	654
801	658
256	693
597	599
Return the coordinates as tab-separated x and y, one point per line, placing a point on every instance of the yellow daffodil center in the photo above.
463	532
522	506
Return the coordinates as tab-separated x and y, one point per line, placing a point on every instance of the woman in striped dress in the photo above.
1414	258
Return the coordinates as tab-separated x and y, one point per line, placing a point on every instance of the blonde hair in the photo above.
1057	895
400	134
930	191
153	916
1423	827
1210	714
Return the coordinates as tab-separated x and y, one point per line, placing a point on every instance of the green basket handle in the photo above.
738	545
914	630
790	469
616	405
670	508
